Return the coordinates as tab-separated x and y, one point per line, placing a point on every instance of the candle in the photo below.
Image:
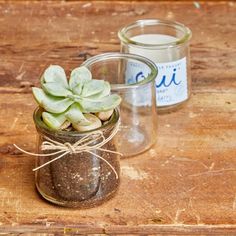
166	44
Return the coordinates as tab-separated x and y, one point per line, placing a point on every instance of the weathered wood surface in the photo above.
186	184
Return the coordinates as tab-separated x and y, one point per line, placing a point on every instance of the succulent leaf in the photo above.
103	104
56	89
92	87
105	92
40	95
51	103
54	121
78	89
78	76
55	74
75	116
57	106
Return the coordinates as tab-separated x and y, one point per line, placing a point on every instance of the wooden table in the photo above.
186	184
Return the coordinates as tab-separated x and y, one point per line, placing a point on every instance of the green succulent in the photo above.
65	100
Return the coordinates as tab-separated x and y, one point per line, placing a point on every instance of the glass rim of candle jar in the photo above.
118	55
46	130
187	34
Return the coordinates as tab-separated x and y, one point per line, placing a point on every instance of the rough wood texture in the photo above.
186	183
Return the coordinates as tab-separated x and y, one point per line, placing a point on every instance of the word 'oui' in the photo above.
164	82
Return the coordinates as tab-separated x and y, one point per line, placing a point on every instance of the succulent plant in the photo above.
73	101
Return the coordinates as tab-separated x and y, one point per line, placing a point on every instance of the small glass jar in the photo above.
138	130
166	43
79	179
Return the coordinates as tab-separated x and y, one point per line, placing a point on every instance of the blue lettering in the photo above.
165	83
139	77
130	81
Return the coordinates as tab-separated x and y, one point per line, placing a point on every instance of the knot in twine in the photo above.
70	147
85	144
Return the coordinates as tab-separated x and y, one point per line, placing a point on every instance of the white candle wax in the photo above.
156	55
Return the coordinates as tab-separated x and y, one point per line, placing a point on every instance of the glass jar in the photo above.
166	43
78	179
138	130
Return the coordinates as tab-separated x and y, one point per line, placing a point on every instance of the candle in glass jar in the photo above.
170	53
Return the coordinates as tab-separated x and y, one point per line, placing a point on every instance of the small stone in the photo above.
104	115
95	123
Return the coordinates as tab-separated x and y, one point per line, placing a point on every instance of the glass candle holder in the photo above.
138	130
79	179
166	43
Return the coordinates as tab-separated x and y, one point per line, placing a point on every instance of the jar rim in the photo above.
47	130
116	55
122	33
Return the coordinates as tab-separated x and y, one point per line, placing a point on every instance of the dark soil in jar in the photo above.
79	180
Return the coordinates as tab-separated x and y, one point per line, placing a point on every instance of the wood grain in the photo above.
185	184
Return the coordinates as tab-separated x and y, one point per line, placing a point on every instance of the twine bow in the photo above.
85	144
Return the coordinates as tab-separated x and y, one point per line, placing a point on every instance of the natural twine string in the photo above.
85	144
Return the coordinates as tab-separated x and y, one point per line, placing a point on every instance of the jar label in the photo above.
142	95
171	82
